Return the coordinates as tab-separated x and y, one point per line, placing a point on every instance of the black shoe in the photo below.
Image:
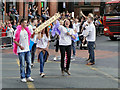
67	72
88	59
62	73
90	63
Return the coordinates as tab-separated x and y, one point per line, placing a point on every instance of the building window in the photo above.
87	3
75	2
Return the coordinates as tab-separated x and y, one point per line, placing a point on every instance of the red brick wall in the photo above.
53	8
81	3
76	11
93	5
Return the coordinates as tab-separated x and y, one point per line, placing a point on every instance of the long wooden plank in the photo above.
46	23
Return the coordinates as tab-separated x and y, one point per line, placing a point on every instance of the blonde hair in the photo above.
90	15
61	22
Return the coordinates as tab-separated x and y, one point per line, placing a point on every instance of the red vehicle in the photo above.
111	20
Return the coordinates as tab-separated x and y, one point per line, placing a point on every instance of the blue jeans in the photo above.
74	49
42	60
25	56
44	17
91	51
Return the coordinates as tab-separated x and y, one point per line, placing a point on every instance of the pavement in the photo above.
104	74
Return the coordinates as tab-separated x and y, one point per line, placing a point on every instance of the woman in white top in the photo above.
65	39
42	49
10	31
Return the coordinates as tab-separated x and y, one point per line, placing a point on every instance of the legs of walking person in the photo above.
68	50
45	56
78	42
91	51
22	64
17	18
28	64
33	53
98	30
56	50
62	51
25	56
74	49
57	46
41	57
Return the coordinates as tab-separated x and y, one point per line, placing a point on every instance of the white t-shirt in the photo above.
86	22
31	30
65	39
10	32
84	26
23	41
43	42
76	26
90	33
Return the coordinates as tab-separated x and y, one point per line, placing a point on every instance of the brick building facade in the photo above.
87	7
22	7
54	6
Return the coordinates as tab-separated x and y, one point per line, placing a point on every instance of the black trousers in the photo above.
57	46
64	49
33	52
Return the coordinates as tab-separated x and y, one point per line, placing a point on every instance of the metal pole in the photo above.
45	4
3	10
24	10
3	16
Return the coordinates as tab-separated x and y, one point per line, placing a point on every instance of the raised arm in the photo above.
83	14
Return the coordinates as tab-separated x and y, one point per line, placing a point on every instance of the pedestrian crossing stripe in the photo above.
107	75
18	62
31	85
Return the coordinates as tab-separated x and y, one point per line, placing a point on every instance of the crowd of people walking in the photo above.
67	32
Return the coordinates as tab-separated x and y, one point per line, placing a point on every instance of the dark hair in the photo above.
65	21
13	6
22	20
34	5
46	32
32	20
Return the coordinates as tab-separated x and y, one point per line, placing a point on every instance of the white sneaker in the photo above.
30	79
42	75
55	58
32	65
24	80
73	59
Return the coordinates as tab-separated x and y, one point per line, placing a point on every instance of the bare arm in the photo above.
48	45
83	14
32	36
71	35
45	11
21	47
